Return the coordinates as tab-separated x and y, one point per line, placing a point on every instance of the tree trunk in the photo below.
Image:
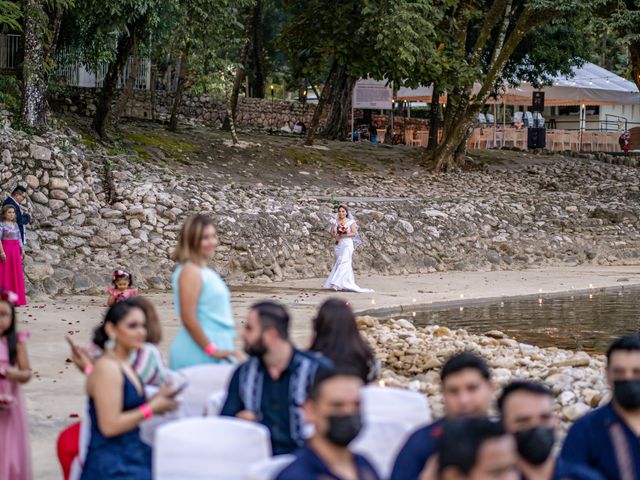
634	54
235	93
177	99
338	125
257	51
110	83
127	91
230	115
434	125
34	91
317	114
451	151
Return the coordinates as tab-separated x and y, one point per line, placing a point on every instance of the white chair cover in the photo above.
268	469
215	402
210	448
83	445
395	405
203	381
381	441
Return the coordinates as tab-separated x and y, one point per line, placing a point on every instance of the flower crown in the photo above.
8	296
121	274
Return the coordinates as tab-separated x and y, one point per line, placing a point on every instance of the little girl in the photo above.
121	290
15	462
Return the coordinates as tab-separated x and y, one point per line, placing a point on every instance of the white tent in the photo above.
590	85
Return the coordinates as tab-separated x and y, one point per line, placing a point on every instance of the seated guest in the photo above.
526	409
336	336
117	403
476	449
333	408
467	390
607	439
272	385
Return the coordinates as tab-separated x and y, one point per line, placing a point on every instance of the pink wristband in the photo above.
88	369
210	349
146	411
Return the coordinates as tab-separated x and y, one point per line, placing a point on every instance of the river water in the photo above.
581	320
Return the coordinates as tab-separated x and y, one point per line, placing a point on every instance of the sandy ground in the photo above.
55	394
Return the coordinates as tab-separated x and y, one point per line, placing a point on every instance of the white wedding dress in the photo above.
341	276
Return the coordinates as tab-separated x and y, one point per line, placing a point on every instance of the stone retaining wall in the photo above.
252	112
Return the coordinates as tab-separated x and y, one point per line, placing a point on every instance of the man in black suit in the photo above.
18	196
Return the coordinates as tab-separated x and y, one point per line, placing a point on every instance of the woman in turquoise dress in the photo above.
202	300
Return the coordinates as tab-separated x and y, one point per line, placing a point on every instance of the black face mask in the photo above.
535	444
343	429
627	394
256	350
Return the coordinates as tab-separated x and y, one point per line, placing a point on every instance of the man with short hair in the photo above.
333	408
526	410
607	439
467	390
476	449
271	386
18	195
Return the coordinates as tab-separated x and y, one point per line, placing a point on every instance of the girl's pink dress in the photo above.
11	273
15	458
129	292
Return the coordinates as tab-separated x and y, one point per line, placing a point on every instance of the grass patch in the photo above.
170	146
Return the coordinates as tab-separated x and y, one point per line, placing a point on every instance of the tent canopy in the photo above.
590	85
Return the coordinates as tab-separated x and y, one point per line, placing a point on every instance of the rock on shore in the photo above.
412	357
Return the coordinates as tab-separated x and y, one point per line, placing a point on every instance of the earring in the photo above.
110	344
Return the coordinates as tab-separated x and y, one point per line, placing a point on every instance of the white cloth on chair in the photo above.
203	380
219	448
395	405
380	441
270	468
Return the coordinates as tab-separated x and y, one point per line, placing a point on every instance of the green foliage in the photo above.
10	94
10	14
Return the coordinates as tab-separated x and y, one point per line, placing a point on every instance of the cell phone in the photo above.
178	390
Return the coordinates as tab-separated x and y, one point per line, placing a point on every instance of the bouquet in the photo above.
341	230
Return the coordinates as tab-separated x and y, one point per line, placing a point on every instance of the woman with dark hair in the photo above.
336	336
11	255
202	299
15	461
117	403
344	232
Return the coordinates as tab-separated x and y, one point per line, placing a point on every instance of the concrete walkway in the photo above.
55	395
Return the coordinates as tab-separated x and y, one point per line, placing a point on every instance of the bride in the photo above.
344	232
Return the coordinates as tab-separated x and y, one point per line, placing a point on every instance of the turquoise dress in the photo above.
216	319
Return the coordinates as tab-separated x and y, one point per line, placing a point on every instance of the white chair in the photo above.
381	441
393	404
209	448
203	381
83	445
215	402
268	469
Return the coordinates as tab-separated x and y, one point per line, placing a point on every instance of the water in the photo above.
585	320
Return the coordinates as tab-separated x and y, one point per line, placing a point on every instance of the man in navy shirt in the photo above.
607	439
18	196
526	410
333	408
272	385
467	390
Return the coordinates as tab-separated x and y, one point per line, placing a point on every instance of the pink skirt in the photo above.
11	274
15	458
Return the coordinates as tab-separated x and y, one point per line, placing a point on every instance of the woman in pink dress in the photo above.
11	255
15	461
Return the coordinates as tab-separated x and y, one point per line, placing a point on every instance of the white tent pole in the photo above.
504	121
583	114
495	125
